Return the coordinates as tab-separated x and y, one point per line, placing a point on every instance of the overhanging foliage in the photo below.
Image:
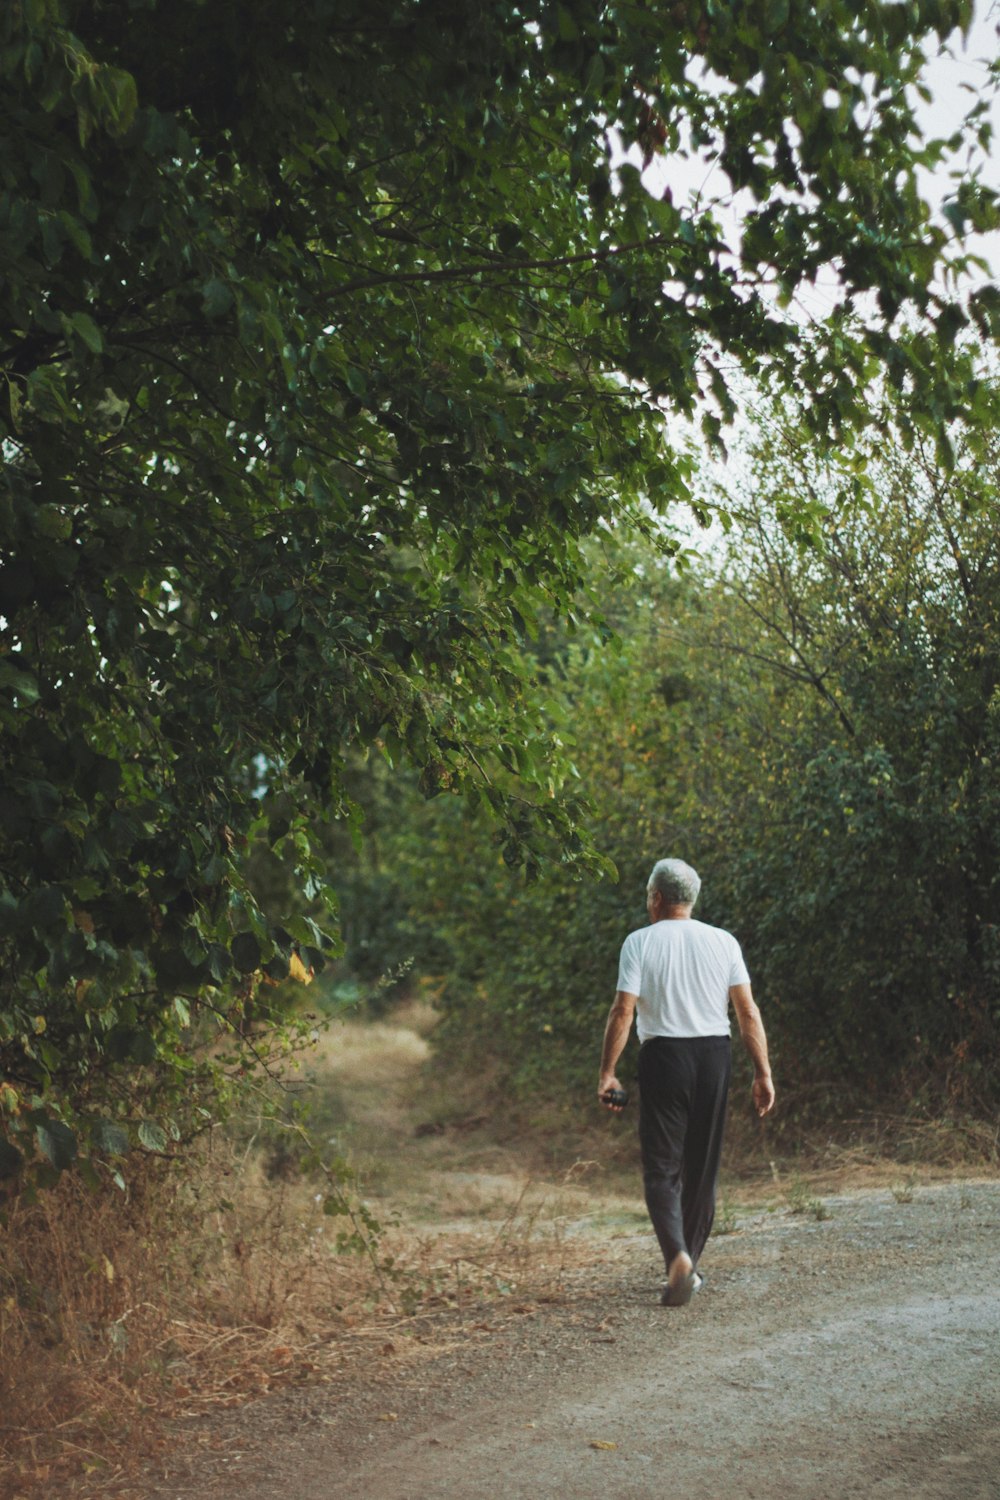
327	337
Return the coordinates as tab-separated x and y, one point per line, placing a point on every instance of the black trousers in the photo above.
684	1086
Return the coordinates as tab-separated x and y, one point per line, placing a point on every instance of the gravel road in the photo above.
854	1354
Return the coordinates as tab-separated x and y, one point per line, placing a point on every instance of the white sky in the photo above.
954	79
962	66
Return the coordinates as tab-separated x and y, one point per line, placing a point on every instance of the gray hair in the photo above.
676	882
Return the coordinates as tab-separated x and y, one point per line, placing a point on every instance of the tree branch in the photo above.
501	266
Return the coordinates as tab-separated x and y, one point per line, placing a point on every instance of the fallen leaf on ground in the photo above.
604	1447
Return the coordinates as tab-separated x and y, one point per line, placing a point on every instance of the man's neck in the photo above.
674	914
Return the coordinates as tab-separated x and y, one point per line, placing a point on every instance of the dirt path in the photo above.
857	1354
843	1345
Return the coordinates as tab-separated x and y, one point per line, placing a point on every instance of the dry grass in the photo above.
814	1136
79	1312
121	1312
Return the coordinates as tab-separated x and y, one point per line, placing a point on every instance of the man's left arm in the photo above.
754	1039
619	1024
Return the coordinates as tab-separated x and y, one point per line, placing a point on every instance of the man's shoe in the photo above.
666	1298
679	1292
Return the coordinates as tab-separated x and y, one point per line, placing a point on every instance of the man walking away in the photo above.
677	977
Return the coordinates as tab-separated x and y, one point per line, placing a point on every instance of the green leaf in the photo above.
18	682
775	15
46	909
53	523
216	297
152	1136
57	1143
132	1044
246	952
277	968
84	326
11	1160
509	237
109	1138
219	963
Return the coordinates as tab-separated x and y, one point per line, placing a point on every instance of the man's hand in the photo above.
606	1082
762	1094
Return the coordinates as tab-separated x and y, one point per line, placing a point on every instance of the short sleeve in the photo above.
738	973
630	964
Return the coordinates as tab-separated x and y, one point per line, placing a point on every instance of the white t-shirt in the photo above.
682	971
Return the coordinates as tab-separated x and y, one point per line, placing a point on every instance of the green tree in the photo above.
328	335
868	861
811	715
523	970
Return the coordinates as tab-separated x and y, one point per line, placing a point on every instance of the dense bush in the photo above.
868	869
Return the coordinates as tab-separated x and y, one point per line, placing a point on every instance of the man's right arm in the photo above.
755	1041
619	1024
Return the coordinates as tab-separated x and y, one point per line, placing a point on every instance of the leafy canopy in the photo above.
328	335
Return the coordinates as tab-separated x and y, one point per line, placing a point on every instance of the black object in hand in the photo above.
617	1097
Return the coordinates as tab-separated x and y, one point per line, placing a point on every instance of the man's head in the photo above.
674	882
